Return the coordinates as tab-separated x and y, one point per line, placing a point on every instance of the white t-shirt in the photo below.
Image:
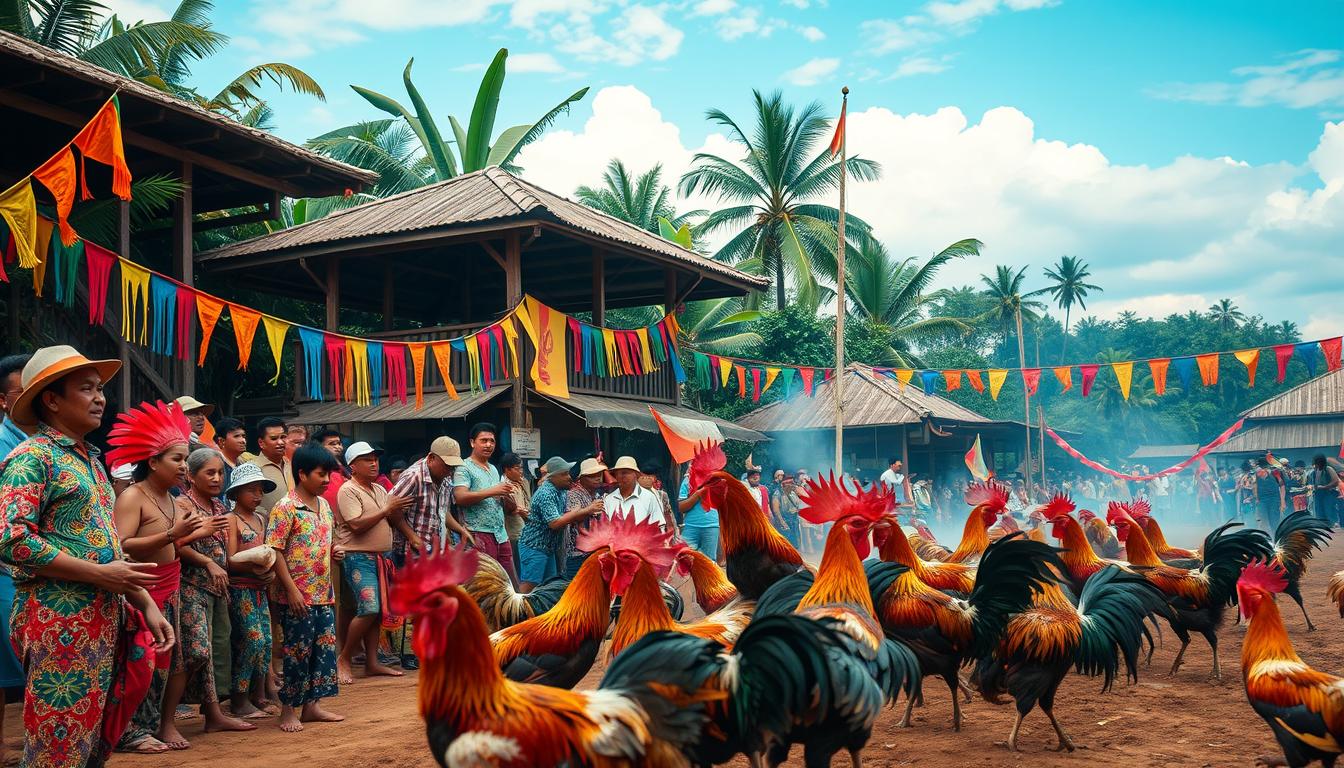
643	503
896	481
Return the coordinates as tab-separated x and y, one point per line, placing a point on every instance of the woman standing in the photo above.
249	577
1323	482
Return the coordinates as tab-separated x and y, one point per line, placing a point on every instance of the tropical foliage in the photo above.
642	200
1068	287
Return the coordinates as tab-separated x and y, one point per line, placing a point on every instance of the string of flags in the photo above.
715	372
162	314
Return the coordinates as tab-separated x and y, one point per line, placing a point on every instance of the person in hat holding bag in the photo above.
58	535
365	517
250	574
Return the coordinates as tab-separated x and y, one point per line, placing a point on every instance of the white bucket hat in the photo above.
246	474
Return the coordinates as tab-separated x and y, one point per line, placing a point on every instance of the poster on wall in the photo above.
526	442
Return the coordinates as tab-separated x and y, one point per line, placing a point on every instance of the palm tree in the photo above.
1227	314
641	200
1069	288
1111	404
1287	330
475	149
387	147
772	192
1011	305
893	297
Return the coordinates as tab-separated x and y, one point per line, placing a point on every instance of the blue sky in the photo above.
1179	147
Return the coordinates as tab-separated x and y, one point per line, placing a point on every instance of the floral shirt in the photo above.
214	546
548	505
302	536
486	515
54	498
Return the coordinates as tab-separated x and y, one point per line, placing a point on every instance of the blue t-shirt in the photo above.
697	515
487	515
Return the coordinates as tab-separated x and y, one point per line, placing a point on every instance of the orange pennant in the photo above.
245	322
1208	368
101	140
44	227
418	370
977	383
208	309
1158	367
1064	374
443	356
1249	358
58	176
741	381
953	379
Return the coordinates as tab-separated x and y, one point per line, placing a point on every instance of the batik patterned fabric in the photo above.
199	609
302	536
54	498
148	716
309	665
250	615
360	571
214	546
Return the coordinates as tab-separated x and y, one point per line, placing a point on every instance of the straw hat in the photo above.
591	467
189	404
626	462
48	365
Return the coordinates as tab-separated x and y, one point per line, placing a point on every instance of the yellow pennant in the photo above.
18	208
770	374
996	378
903	377
357	370
275	338
1249	358
1124	373
725	368
134	300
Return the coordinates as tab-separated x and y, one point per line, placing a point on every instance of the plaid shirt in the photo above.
576	497
431	503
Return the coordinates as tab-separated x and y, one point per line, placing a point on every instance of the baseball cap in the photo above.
446	448
361	448
555	464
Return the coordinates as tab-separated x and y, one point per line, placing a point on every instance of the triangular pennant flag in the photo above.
645	353
1158	367
479	355
65	262
163	310
996	378
1064	375
186	315
310	339
953	380
245	322
1031	379
755	384
903	376
1124	374
1282	354
510	330
58	176
335	349
275	339
741	381
827	373
976	380
702	377
208	309
99	261
357	372
1249	358
1089	373
134	301
18	208
375	354
44	237
1307	351
1185	369
1208	368
101	140
975	461
1331	348
613	354
395	354
725	368
417	350
928	379
443	358
770	374
788	373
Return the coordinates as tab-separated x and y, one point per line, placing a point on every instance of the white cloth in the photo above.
896	481
644	504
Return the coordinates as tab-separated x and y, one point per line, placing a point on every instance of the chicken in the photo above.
1335	591
1054	634
945	631
1303	707
757	555
1198	596
897	548
840	592
988	500
926	544
713	590
502	605
1080	559
1099	535
1142	512
474	716
1298	536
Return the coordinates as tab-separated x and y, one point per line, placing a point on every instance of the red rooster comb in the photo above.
622	532
1060	506
423	575
1116	511
1265	575
146	431
709	458
994	496
1139	508
828	500
1087	515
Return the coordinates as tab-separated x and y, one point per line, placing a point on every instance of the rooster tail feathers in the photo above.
669	675
896	670
494	593
1226	553
783	596
881	575
1011	572
1297	538
1114	606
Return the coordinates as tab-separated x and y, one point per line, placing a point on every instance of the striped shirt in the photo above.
431	502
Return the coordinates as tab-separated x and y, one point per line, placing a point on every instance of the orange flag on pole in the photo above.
838	140
684	435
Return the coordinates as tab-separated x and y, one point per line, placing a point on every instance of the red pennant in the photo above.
806	375
576	336
1031	379
99	261
1282	354
1331	349
977	383
1089	375
755	385
335	346
186	310
395	355
1158	367
483	347
828	373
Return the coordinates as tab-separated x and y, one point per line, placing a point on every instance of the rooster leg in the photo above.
855	759
1217	667
909	708
1310	627
1175	665
956	705
1012	736
1064	741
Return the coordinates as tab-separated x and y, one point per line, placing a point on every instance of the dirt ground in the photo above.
1186	720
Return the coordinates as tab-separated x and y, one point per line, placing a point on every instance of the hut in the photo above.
1298	424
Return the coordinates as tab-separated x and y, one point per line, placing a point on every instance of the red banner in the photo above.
1199	455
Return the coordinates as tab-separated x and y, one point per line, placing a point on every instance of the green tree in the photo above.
1227	314
641	200
1069	286
476	149
779	228
1011	306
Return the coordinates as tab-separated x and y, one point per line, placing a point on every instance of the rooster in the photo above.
1303	707
713	590
946	631
840	592
1142	512
1295	540
898	548
1198	597
988	500
1099	535
502	605
476	716
926	544
642	607
1335	591
757	554
1080	559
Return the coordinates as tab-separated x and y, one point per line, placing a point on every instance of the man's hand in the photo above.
160	627
120	576
396	506
503	489
338	553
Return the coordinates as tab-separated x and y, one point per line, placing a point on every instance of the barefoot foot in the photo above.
226	723
343	674
289	721
312	713
371	670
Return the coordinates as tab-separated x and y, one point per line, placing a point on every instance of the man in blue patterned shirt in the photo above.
545	525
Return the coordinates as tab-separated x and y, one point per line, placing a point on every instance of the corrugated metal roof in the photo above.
1314	397
491	195
632	414
128	88
1163	451
1287	435
437	406
870	401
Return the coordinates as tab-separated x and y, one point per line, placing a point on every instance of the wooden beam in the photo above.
214	136
123	347
263	213
669	290
333	293
494	254
599	287
389	295
317	281
513	293
183	267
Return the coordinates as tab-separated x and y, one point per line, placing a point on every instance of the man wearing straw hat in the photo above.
73	584
631	498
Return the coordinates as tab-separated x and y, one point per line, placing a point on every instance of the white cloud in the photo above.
967	11
1309	78
887	35
918	65
528	13
811	34
475	66
1159	239
740	25
712	7
813	72
640	32
533	62
939	19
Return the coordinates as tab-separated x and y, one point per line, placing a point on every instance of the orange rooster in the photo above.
642	608
476	716
897	548
713	590
1335	591
988	500
1080	559
1303	707
1296	538
1198	597
1099	535
1142	512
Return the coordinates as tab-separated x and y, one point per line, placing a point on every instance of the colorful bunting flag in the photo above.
1089	373
1064	375
788	374
100	140
443	358
186	315
977	383
18	208
245	323
1208	368
741	381
996	378
374	350
163	310
1185	369
806	375
1307	351
1124	374
208	310
357	372
1249	358
929	379
310	340
99	261
58	176
275	339
755	385
725	368
770	374
396	372
903	376
952	379
44	237
1158	368
134	301
417	350
1331	348
1282	354
335	348
1031	379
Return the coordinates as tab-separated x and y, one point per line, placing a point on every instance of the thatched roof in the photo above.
1321	396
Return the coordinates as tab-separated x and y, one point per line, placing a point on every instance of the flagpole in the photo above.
840	302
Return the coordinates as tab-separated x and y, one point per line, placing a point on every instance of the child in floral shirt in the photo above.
300	529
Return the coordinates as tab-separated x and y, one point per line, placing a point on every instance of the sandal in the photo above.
146	745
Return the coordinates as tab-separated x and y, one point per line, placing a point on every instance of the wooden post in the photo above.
123	347
599	288
333	293
389	296
513	288
183	264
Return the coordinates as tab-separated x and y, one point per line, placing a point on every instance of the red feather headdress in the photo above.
1060	506
422	575
828	500
1265	575
994	496
621	532
146	431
